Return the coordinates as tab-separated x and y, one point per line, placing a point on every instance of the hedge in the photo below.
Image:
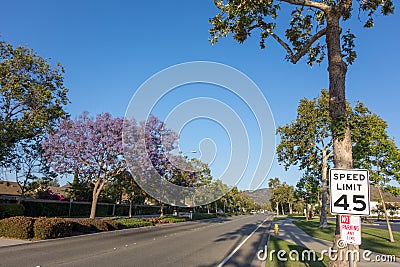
17	227
47	228
11	210
134	223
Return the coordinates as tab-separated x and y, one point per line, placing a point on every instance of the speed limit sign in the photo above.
349	191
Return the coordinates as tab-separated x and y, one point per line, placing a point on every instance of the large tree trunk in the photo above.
277	208
94	205
342	147
323	222
386	216
98	186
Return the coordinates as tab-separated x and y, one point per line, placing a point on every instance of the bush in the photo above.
199	216
112	225
47	228
169	219
88	226
17	227
11	210
134	223
84	226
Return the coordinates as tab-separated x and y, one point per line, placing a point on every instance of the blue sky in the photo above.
109	48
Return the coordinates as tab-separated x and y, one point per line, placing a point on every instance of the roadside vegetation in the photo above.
276	244
39	228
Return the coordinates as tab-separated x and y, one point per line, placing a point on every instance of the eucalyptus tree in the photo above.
314	30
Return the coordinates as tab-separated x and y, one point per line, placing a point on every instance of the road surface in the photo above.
231	241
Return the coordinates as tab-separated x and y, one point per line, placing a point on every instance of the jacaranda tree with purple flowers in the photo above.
91	146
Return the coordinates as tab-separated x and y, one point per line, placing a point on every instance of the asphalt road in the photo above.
232	241
382	225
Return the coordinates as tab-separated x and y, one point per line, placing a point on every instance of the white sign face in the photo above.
350	229
349	191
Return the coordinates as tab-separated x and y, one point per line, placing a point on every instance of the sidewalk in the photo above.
10	242
291	233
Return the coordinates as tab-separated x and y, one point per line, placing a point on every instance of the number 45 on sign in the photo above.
349	191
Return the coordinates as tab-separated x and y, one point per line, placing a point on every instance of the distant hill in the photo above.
260	196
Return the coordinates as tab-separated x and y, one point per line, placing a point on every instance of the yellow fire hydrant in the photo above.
276	229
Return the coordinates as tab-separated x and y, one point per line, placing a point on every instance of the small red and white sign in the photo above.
350	229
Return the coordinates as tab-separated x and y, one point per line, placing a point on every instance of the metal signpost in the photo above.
350	198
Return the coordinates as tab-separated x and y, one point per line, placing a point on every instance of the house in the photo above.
9	190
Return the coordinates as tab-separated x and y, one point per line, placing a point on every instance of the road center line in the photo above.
240	245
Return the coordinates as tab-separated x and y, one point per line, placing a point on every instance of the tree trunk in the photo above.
277	208
94	204
342	146
130	207
386	216
161	209
96	192
306	215
323	222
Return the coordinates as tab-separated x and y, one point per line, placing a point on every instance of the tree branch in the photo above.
295	57
318	5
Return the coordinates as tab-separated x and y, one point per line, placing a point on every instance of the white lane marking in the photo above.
240	245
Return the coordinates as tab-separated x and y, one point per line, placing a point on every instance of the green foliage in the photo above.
307	27
303	140
373	149
371	6
282	194
134	223
11	210
201	216
17	227
308	188
339	127
32	96
348	47
48	228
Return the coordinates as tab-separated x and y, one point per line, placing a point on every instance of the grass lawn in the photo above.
373	239
279	244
